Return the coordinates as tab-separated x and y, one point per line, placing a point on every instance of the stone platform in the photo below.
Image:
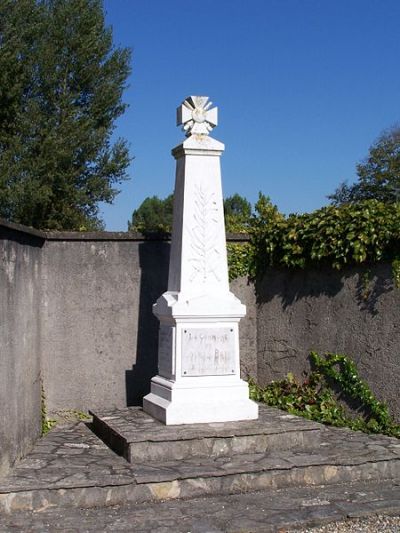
72	468
138	437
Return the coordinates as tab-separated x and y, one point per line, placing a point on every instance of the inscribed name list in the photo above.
208	351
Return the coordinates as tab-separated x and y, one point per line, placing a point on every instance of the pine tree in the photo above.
61	85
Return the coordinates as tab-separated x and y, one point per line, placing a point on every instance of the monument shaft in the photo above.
199	366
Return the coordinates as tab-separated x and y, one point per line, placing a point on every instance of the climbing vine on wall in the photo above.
316	399
240	259
362	233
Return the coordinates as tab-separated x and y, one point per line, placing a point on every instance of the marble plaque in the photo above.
208	351
165	356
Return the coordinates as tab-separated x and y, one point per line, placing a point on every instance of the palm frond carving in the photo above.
205	257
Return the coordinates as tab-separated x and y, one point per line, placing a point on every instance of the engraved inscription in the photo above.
208	351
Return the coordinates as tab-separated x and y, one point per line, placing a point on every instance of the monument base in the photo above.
199	400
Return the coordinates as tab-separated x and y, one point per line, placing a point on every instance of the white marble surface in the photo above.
199	365
208	351
196	115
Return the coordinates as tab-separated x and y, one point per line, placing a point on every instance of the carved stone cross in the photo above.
196	117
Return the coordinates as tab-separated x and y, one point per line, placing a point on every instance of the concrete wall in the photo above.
20	343
245	291
100	335
75	312
327	310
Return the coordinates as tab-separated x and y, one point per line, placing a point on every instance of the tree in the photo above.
237	213
153	215
378	175
61	84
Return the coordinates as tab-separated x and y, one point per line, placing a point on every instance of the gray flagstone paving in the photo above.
70	469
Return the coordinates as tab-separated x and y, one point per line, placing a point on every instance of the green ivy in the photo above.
307	399
396	272
315	398
240	259
365	232
360	233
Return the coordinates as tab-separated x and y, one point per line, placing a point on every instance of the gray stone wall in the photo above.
75	314
20	343
100	336
245	291
335	311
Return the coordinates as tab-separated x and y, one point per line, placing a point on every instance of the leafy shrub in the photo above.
358	233
240	257
368	231
315	398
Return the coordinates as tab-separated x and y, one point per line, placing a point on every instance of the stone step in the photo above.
269	511
138	437
71	467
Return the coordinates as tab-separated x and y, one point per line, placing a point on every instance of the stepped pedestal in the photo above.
140	438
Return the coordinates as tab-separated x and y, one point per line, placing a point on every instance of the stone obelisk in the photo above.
198	354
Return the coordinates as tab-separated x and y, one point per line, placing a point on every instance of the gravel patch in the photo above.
374	524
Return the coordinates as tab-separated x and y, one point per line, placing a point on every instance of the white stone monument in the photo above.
198	355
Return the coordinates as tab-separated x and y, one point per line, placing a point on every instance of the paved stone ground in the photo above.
273	511
68	457
71	468
73	457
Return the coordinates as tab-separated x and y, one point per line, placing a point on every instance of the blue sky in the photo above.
303	89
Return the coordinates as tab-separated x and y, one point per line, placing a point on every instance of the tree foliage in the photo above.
61	84
367	231
378	175
237	211
155	214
